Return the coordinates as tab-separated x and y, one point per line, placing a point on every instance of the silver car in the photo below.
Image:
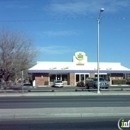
58	83
94	83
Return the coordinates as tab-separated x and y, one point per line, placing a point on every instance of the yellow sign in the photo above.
80	55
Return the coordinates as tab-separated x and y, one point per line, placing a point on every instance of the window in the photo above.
77	78
120	78
64	77
113	77
59	77
86	76
82	76
52	78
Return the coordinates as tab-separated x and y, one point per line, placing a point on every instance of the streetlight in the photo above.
98	49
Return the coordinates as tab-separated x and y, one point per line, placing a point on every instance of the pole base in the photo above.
98	92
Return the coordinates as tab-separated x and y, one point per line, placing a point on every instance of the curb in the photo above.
81	93
64	115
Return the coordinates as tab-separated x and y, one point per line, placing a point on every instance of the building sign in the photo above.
80	55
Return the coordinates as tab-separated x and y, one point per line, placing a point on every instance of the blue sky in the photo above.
60	28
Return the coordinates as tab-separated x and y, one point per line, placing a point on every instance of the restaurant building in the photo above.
45	73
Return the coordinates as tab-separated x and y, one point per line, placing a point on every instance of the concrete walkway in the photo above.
80	112
77	93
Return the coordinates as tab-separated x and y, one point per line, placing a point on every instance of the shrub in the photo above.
119	82
46	83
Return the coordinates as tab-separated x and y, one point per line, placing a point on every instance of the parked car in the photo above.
93	82
58	83
81	84
20	86
89	79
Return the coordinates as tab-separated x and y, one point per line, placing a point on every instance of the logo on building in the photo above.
80	55
122	124
64	68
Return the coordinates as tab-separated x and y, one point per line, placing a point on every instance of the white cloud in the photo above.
86	6
58	33
54	49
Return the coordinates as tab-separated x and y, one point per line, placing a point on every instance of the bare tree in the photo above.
16	53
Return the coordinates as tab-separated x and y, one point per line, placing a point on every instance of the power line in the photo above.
67	18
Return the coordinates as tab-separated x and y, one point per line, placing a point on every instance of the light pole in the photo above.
98	49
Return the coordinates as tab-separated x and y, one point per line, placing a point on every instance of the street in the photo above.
61	124
65	101
89	112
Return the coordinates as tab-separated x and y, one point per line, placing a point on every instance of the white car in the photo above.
58	83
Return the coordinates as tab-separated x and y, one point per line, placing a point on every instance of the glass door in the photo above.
59	77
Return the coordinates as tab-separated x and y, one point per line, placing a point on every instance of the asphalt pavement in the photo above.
80	112
61	124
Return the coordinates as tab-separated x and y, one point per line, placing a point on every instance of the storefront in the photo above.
72	72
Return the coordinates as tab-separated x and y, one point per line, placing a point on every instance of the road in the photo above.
61	124
100	112
65	101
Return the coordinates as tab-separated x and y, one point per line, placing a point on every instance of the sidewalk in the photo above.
77	93
80	112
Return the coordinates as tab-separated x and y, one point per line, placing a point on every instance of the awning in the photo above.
78	71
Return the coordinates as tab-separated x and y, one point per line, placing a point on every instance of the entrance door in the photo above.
81	77
59	77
